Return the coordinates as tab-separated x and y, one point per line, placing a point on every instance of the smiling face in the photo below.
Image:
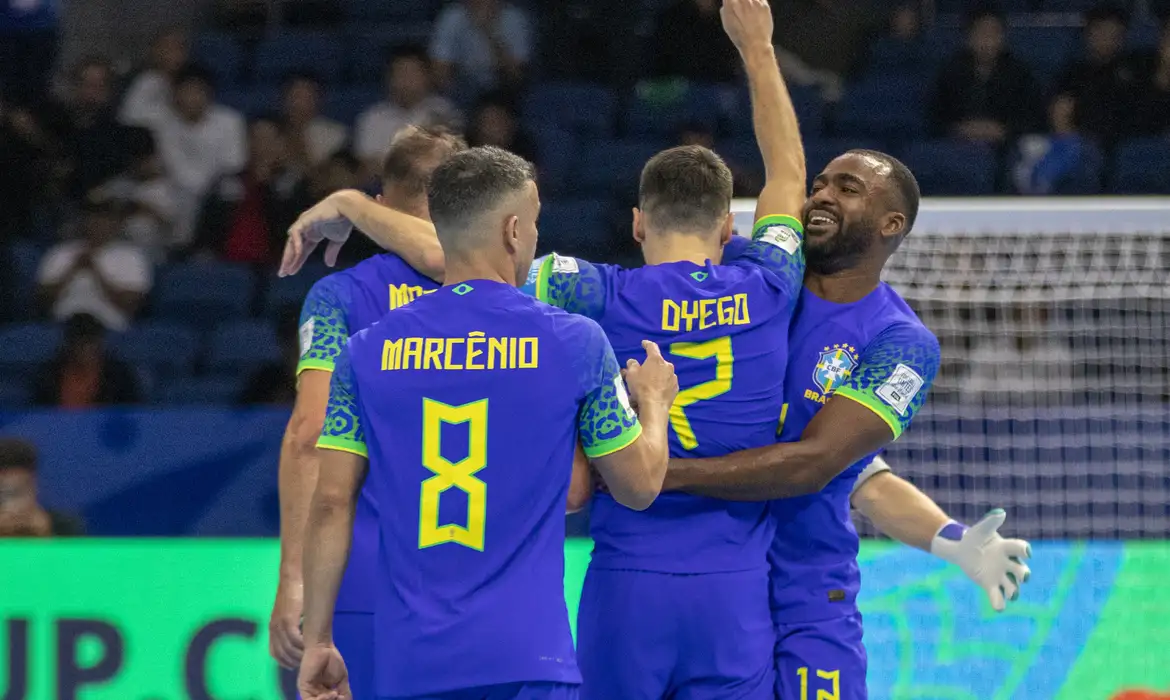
843	215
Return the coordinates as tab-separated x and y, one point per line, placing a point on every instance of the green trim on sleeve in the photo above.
314	363
614	444
874	405
326	442
778	219
542	279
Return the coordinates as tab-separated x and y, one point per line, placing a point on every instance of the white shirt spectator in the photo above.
323	138
377	125
119	262
458	41
147	100
151	226
195	155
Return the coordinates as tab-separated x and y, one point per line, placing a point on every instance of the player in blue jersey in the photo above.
336	307
465	408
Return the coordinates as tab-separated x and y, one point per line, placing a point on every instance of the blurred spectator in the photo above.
494	123
1027	366
1151	71
747	183
246	215
97	274
28	48
1045	159
576	42
905	23
276	383
311	137
478	45
983	93
83	375
199	141
410	100
689	42
21	514
148	99
25	162
821	41
146	194
1100	81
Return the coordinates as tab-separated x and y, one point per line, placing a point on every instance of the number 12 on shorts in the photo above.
833	676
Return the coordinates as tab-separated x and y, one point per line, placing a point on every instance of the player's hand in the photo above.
323	675
652	381
995	564
322	222
285	642
747	22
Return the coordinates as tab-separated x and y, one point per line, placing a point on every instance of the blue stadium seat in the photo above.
25	346
810	110
889	55
699	104
613	167
576	107
1045	49
575	223
198	390
25	258
238	346
203	293
290	292
555	151
1142	166
315	52
14	393
219	53
166	348
252	100
1088	175
743	152
345	102
949	167
368	46
887	107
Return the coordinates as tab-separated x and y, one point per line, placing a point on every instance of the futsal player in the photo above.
465	407
336	307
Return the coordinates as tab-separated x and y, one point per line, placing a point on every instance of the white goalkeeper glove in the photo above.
995	564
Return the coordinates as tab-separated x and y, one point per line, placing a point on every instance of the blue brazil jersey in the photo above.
338	306
725	328
469	403
876	352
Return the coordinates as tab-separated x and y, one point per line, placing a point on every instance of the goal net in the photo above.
1053	399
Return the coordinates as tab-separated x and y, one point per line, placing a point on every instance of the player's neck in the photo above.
677	247
466	270
844	286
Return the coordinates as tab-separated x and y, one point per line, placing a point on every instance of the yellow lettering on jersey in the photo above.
509	352
433	354
474	342
813	396
403	294
684	315
392	354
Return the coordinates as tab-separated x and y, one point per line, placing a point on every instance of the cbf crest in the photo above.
834	366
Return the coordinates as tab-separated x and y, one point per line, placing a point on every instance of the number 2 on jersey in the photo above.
459	475
720	349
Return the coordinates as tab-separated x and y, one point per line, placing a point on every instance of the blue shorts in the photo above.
507	691
646	636
353	634
821	656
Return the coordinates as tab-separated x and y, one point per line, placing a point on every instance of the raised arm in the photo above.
867	413
333	218
900	510
749	25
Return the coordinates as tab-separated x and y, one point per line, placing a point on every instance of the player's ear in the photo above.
380	199
639	226
512	232
893	225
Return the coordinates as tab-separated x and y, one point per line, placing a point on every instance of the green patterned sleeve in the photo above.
324	327
894	375
343	429
777	245
606	422
575	285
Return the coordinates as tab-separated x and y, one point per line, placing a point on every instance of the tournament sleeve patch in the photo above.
324	327
900	389
894	374
782	236
306	337
577	286
564	266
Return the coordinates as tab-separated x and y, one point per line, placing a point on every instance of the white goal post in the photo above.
1053	400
